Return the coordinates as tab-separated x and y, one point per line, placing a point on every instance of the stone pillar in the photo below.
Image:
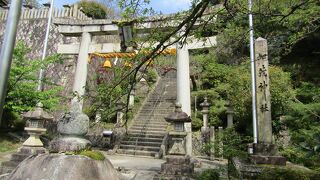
212	138
220	131
183	89
264	152
119	108
263	92
131	97
75	10
66	10
81	70
98	116
205	131
205	111
230	113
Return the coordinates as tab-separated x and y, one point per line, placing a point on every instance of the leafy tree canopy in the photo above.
95	9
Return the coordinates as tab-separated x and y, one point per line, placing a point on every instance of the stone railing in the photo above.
66	12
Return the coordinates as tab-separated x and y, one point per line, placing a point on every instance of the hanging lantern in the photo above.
150	62
127	64
107	63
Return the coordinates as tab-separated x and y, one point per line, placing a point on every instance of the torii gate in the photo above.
87	29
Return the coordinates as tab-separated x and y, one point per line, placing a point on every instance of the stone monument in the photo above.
265	151
73	126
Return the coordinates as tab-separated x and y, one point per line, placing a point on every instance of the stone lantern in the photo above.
35	128
119	108
205	111
177	162
132	95
230	112
205	130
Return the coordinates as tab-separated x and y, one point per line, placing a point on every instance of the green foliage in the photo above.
23	80
283	23
282	173
7	143
234	144
95	10
303	122
221	83
151	76
209	174
134	8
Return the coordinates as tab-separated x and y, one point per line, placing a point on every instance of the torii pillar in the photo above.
81	70
183	90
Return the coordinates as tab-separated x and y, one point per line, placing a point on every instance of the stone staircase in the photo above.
148	129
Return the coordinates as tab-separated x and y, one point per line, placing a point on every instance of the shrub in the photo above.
94	9
284	173
210	174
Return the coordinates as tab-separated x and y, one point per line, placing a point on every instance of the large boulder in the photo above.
60	166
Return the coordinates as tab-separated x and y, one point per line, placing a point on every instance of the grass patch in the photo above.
95	155
8	144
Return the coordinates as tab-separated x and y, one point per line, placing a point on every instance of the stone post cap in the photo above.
38	113
230	109
47	5
205	103
261	39
66	6
27	6
178	115
119	105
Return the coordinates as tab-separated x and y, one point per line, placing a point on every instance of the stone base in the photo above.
241	168
265	149
264	153
177	166
65	144
273	160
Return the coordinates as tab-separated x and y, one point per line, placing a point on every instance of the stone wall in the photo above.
32	33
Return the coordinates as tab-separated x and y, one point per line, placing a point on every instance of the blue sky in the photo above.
165	6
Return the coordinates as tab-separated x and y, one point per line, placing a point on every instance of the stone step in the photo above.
156	109
160	121
142	143
163	112
147	128
145	135
146	132
140	148
151	125
136	152
145	139
10	164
